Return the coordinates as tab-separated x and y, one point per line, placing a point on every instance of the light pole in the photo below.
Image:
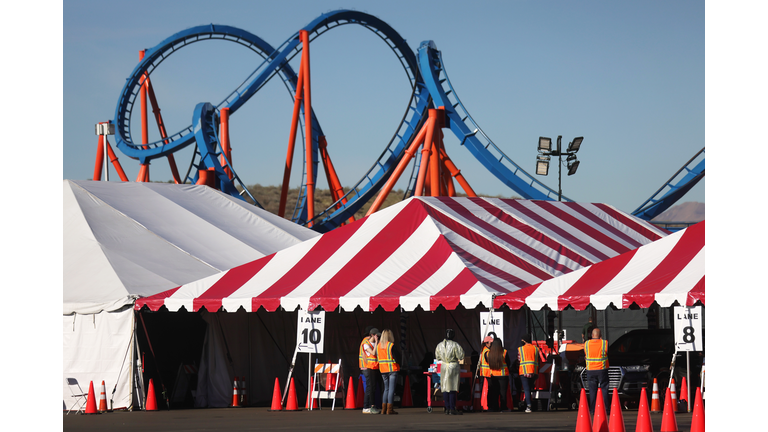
545	152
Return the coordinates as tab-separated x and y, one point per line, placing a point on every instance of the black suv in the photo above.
639	356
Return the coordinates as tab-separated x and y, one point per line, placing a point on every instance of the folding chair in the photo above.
328	369
78	394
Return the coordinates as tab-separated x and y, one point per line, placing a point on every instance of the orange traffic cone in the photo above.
309	394
616	421
360	392
655	401
103	398
277	404
697	421
235	396
599	422
292	404
151	400
583	424
683	397
643	415
485	394
407	400
243	393
668	421
673	392
477	397
90	404
350	402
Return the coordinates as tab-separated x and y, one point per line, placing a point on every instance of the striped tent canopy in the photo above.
422	252
667	271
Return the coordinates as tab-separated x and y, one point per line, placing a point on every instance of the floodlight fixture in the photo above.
545	144
542	167
572	167
574	146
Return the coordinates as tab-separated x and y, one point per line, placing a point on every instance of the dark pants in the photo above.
371	377
528	384
497	387
595	379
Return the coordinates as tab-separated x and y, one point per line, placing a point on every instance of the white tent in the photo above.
126	240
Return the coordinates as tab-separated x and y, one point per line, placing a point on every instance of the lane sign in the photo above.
309	334
688	334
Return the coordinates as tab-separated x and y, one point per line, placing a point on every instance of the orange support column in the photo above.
99	159
308	126
409	153
225	149
292	140
144	170
425	151
161	128
115	162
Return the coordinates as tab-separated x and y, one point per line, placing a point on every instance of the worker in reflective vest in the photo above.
369	367
596	350
498	363
386	354
528	356
484	370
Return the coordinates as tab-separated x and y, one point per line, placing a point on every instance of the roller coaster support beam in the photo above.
409	154
115	162
144	169
337	191
226	150
298	99
304	36
161	127
456	173
100	159
425	152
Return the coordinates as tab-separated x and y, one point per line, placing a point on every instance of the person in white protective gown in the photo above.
449	353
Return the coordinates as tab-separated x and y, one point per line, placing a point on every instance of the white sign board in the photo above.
688	335
494	324
309	332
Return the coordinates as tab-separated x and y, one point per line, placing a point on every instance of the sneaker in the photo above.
374	410
528	409
366	410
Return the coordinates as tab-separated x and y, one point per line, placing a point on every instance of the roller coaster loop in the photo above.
430	88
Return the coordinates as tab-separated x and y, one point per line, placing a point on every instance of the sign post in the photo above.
309	339
688	337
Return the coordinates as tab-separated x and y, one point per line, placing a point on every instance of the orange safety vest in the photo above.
485	370
597	354
386	362
361	353
529	359
504	371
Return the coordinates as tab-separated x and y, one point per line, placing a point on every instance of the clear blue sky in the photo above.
628	76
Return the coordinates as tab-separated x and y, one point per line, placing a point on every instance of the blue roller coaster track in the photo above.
430	87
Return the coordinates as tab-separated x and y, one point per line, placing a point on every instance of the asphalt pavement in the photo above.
408	419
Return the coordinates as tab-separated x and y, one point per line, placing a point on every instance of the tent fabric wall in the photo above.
668	271
422	252
104	352
260	346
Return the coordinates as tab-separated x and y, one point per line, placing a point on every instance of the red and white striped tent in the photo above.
424	251
666	271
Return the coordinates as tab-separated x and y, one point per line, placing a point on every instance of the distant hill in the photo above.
685	212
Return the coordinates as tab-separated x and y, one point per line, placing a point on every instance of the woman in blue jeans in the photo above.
388	366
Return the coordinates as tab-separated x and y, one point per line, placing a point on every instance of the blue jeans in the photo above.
595	379
390	378
528	383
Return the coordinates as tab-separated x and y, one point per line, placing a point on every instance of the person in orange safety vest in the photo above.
596	350
528	356
484	371
387	354
498	363
369	367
